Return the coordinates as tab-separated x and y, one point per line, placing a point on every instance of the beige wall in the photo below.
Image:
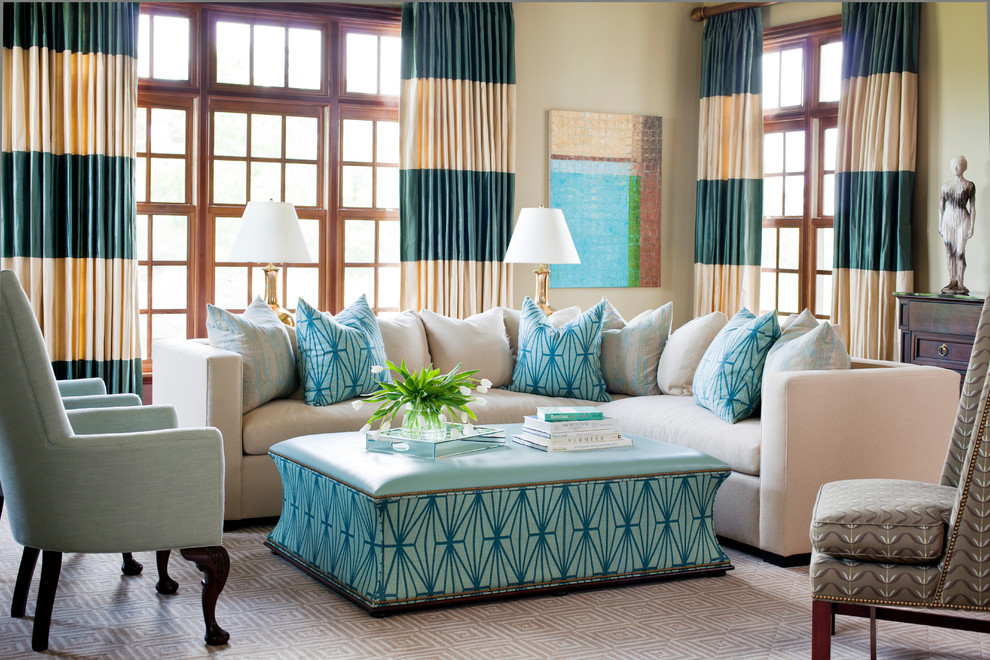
645	58
953	120
632	58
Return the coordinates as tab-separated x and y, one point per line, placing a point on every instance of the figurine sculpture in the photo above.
956	217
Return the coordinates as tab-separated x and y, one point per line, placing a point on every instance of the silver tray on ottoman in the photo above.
455	442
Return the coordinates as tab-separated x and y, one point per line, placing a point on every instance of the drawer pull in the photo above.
943	350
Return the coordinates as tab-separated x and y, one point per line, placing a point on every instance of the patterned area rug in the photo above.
273	610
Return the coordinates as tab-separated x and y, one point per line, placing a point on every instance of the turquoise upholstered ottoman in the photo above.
393	532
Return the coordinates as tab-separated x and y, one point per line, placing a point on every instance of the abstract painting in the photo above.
605	177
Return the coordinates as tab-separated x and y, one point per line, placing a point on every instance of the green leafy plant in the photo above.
427	392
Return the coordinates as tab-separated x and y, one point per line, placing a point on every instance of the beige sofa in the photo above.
879	419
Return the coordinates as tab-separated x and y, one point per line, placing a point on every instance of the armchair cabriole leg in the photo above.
51	567
166	585
129	565
29	559
214	562
821	633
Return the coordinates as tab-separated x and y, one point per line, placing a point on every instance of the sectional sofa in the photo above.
877	419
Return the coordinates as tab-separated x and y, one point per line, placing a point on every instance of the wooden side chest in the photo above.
938	330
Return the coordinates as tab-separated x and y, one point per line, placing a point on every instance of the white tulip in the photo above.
377	368
486	383
468	429
464	390
357	404
482	389
365	429
464	418
384	427
481	402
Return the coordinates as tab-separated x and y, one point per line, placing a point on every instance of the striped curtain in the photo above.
67	211
729	211
457	121
878	124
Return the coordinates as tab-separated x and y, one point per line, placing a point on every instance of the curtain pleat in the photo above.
67	207
877	147
457	113
729	204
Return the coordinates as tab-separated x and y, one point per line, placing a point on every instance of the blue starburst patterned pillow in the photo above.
729	379
336	353
561	361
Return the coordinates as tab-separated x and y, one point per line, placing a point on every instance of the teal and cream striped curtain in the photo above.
729	211
878	126
67	211
457	116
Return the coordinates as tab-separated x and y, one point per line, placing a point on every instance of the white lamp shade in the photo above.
541	237
269	233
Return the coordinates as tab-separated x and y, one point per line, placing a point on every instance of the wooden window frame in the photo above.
204	96
813	117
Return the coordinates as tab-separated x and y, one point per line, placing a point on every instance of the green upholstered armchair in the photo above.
880	544
76	394
118	479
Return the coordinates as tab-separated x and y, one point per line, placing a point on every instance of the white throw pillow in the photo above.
807	344
683	352
477	342
405	339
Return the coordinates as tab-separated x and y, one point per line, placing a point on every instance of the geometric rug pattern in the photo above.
273	610
428	546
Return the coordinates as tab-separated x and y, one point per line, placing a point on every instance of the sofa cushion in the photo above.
261	339
683	352
477	342
511	319
807	344
404	338
729	378
282	419
679	421
336	353
883	520
631	351
561	361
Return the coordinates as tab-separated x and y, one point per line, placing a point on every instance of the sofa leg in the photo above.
821	624
166	585
214	562
29	559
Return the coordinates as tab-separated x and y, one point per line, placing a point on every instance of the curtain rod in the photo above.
699	14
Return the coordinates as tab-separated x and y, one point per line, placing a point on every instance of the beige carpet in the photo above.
272	610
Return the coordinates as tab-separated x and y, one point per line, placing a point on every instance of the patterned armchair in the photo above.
880	544
99	479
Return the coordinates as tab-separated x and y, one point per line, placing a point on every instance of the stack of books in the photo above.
567	429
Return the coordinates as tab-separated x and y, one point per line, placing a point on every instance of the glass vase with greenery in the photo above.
427	397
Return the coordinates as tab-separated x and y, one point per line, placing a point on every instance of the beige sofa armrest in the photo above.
203	383
822	426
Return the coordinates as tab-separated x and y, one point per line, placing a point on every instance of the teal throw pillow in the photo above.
730	376
336	353
561	361
631	351
807	344
261	339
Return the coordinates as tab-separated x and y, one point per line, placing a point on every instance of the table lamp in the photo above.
270	233
541	237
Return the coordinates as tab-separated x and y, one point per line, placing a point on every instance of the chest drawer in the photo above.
943	349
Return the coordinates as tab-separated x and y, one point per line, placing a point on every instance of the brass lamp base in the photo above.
271	297
542	284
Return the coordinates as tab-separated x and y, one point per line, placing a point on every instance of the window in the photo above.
297	104
801	83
